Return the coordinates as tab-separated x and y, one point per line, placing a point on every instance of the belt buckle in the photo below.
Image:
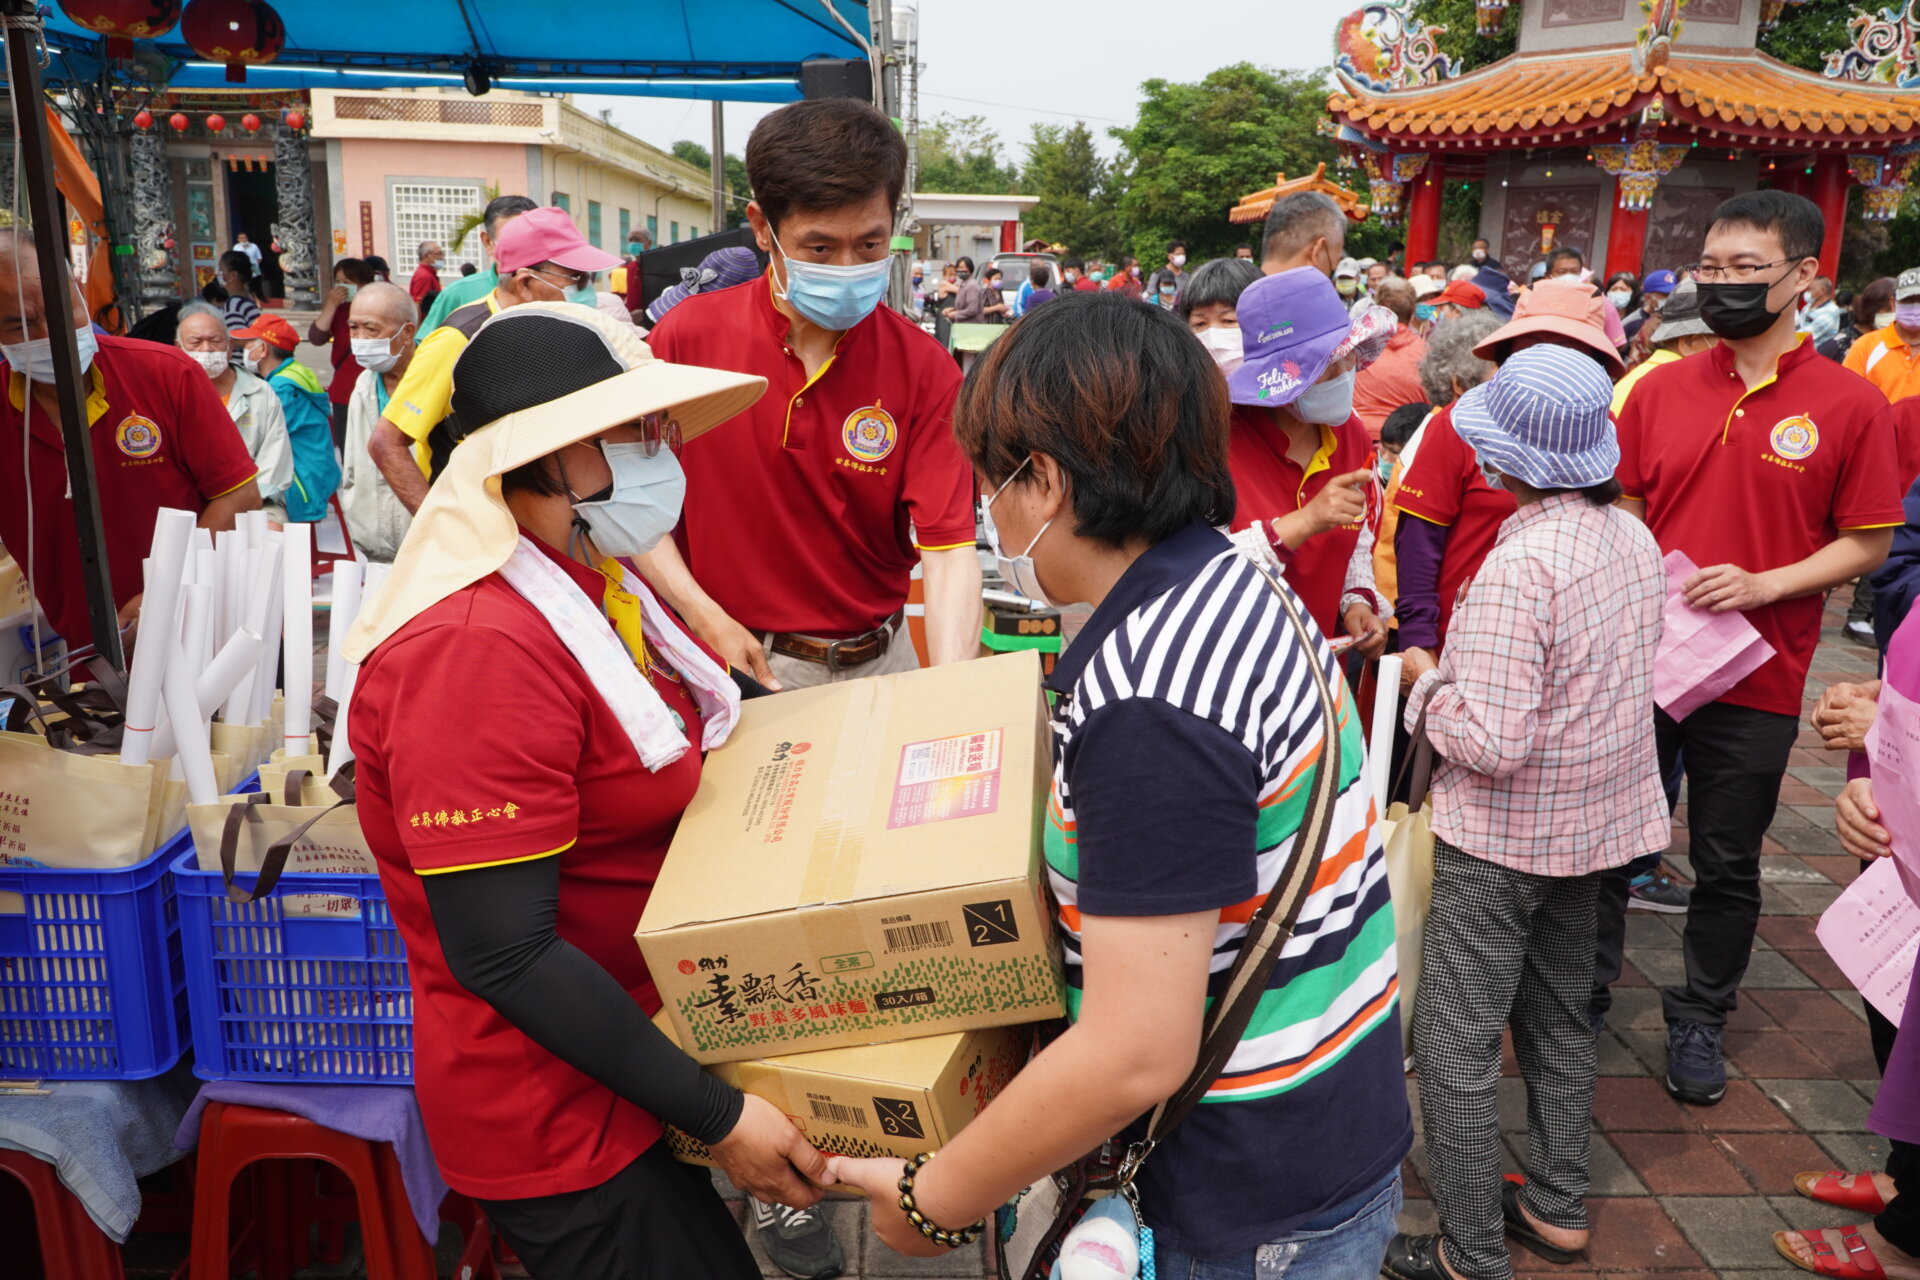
833	656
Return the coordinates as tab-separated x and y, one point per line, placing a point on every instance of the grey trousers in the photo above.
1504	946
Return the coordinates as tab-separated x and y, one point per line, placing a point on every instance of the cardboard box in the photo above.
894	1099
1022	622
862	864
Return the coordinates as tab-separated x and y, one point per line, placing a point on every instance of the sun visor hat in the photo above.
1291	324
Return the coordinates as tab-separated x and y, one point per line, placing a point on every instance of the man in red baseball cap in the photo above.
1459	296
268	353
542	257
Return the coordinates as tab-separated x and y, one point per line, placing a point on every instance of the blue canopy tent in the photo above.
723	50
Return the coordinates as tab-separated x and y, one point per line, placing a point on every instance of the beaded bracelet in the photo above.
940	1236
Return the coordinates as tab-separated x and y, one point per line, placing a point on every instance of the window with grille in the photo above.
675	232
593	223
431	211
626	225
653	229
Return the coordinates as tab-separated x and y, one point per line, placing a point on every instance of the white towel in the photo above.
584	629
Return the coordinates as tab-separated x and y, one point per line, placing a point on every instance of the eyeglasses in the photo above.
574	279
1739	272
657	429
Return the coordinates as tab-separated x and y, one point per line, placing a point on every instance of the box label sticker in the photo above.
898	1119
918	937
830	1112
947	778
991	922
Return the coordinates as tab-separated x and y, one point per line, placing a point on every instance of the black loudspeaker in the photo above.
660	268
836	78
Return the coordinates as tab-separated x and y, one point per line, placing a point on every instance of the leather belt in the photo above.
838	655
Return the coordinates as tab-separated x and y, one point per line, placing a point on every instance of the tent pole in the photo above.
719	170
24	45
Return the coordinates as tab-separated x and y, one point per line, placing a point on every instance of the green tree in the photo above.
1461	41
960	155
1808	32
738	191
1195	149
1076	206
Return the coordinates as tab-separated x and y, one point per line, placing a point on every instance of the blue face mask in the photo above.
1423	311
641	506
836	298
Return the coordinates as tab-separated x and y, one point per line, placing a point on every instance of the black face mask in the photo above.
1738	311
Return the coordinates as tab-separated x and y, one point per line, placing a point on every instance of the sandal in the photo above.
1862	1197
1414	1258
1858	1264
1522	1230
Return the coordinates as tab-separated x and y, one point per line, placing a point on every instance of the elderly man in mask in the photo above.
383	328
252	404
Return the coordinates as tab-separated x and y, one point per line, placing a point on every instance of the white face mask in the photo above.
214	362
1327	403
34	357
1017	571
1225	346
1179	259
1883	319
376	354
1621	299
1479	255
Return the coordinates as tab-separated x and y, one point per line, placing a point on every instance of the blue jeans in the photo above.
1348	1242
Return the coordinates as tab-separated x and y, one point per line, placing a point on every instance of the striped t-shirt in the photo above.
1185	738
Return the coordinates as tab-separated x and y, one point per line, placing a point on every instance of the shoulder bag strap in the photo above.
273	863
1419	762
1273	923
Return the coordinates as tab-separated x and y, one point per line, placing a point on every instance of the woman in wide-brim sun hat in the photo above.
529	725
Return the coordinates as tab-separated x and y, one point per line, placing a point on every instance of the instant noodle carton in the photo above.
862	864
894	1099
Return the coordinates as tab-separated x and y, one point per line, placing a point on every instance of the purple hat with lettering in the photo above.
1291	325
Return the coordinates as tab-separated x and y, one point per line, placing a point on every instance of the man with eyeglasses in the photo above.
1773	470
542	257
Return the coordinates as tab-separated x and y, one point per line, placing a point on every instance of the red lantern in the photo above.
296	119
216	122
250	122
123	21
143	119
178	121
237	32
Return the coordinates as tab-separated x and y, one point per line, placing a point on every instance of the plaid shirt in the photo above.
1542	707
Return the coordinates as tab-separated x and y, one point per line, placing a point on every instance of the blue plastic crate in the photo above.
91	984
309	984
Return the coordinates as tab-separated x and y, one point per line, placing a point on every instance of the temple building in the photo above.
1615	128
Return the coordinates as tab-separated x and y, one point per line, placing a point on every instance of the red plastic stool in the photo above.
233	1137
72	1246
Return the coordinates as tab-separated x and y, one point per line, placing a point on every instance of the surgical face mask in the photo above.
1016	571
1384	465
1882	319
1907	314
1479	255
376	354
1621	299
350	288
835	297
1179	259
1327	403
1134	272
1347	286
963	274
1737	311
1225	346
251	362
34	357
642	505
1423	311
214	362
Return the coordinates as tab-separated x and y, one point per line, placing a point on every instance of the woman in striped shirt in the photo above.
1186	730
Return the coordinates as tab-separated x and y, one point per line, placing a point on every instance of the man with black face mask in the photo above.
1773	471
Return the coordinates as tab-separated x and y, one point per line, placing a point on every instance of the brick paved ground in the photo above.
1679	1193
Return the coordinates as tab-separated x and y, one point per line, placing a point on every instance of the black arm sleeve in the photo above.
496	927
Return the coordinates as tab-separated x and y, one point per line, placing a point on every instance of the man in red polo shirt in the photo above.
803	524
1774	471
161	438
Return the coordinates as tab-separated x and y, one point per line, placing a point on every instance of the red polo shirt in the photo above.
1444	486
1761	479
1390	381
425	281
808	512
161	438
1267	484
1905	415
508	1119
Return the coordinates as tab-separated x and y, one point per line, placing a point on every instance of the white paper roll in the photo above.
202	539
172	533
236	660
1386	708
296	633
191	751
273	613
341	752
233	585
346	606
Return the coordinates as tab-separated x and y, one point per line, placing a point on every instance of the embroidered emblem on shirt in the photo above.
1795	437
869	434
137	437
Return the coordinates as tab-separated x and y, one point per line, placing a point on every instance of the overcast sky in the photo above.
1084	61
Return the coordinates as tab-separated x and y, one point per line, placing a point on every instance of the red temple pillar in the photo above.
1423	213
1626	240
1830	182
1009	237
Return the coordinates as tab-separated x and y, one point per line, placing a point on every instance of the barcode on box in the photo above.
919	937
834	1113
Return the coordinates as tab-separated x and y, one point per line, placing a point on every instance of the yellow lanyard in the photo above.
623	610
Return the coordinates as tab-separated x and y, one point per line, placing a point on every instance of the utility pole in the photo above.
719	170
